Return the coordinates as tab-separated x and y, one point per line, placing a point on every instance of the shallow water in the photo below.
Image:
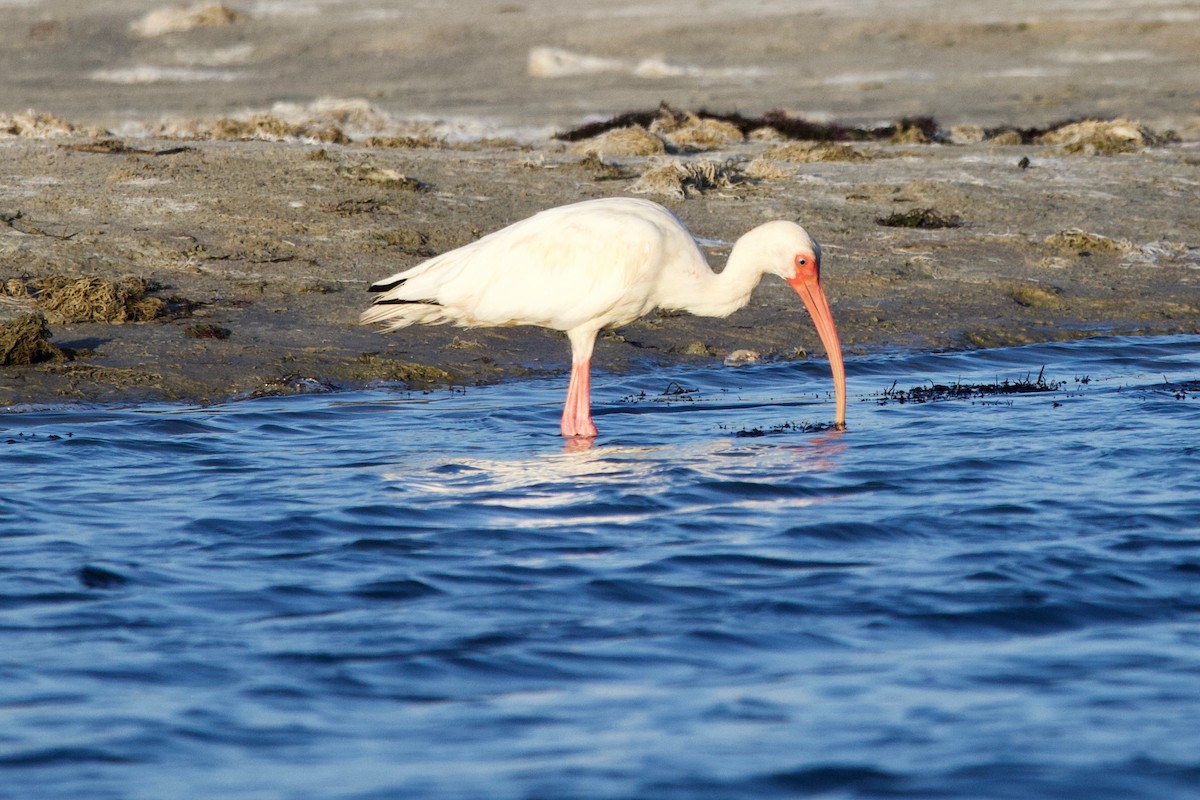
383	594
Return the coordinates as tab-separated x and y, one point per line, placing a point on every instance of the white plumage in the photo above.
601	263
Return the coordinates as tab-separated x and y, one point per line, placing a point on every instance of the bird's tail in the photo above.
413	297
395	312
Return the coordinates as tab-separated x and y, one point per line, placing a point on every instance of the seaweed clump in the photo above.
807	153
207	330
688	132
667	131
1184	389
37	125
263	126
26	340
384	176
1084	243
680	179
920	218
178	19
785	427
928	393
65	299
1103	137
1087	136
908	130
628	140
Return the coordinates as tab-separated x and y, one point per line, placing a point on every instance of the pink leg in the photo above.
577	413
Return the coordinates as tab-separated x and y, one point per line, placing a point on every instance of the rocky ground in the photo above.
213	254
200	270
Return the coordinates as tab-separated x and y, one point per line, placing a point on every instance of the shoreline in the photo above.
235	176
254	255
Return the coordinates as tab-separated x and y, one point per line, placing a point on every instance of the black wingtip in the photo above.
384	287
392	301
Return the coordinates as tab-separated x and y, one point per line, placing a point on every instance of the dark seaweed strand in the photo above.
1031	135
643	118
789	126
807	130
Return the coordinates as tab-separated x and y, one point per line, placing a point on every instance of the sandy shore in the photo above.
275	244
254	256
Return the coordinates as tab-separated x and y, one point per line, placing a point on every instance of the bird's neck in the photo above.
719	294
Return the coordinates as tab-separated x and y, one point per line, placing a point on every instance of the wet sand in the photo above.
256	254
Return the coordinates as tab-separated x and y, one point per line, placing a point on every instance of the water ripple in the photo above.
295	597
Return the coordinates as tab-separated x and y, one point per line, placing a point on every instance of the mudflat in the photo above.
218	254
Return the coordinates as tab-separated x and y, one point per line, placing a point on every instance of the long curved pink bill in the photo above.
813	295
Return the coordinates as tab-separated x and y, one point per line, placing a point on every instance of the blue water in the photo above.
394	595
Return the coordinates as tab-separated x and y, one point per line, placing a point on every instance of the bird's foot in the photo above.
580	430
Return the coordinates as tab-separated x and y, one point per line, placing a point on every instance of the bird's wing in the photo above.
567	267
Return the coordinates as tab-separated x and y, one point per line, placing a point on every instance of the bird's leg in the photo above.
577	413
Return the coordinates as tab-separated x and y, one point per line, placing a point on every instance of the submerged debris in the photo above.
920	218
786	427
672	392
1182	390
738	358
968	391
26	340
289	385
94	577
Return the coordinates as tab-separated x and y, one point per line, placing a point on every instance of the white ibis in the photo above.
598	264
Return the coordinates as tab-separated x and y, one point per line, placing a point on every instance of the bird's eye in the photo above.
806	266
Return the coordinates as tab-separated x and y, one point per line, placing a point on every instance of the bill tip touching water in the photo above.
599	264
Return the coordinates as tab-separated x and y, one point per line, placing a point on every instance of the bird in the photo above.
597	264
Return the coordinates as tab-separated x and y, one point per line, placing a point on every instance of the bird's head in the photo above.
785	249
789	252
806	263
